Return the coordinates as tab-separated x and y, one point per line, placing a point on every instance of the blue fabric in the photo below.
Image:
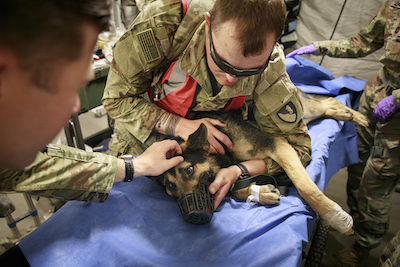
314	79
139	225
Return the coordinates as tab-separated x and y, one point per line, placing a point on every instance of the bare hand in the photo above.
158	158
187	127
224	180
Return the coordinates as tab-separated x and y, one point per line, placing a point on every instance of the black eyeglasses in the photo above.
231	70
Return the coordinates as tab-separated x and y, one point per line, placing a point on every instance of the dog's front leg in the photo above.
265	195
332	213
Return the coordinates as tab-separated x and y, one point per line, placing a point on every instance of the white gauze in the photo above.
254	198
339	220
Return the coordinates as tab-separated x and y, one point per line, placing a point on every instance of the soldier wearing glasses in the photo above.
179	57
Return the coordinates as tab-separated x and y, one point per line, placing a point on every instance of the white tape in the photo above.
254	198
338	219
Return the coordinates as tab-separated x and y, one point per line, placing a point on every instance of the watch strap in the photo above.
245	172
129	170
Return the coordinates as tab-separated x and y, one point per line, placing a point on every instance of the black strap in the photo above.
194	102
215	86
245	172
260	179
129	170
389	89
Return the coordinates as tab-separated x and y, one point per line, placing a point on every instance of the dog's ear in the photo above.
198	139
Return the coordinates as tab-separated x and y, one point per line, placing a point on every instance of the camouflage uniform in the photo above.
391	253
141	4
66	173
133	71
373	180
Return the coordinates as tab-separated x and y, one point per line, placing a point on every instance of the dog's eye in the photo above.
189	169
170	186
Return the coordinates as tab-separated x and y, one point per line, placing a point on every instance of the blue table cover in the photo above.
140	225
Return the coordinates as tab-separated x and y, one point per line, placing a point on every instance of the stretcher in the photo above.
140	225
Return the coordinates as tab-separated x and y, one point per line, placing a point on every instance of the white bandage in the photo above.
254	198
339	220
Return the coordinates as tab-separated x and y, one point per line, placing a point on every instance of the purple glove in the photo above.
308	49
385	108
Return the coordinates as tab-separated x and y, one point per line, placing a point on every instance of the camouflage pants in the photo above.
373	180
391	254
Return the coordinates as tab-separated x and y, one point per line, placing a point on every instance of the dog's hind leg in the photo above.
288	159
320	106
336	110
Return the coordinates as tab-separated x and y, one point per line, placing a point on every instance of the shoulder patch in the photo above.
148	45
288	113
288	116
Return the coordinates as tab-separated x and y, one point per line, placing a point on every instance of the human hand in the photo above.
308	49
187	127
158	158
384	110
223	182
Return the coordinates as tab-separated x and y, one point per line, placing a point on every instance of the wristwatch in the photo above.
128	167
245	172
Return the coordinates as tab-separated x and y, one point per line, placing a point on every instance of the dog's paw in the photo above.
340	220
346	114
264	194
360	119
269	195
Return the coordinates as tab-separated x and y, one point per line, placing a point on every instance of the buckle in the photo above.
377	152
389	89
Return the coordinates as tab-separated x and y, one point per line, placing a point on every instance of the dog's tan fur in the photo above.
319	106
250	144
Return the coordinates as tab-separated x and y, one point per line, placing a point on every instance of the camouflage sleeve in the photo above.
138	56
278	109
369	39
141	4
396	97
66	173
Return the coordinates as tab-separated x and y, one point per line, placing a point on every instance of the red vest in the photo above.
180	91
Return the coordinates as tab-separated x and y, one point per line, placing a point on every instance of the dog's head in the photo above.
198	165
192	177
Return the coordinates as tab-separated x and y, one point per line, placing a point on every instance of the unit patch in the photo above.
288	113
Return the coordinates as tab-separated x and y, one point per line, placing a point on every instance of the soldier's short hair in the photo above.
43	32
255	19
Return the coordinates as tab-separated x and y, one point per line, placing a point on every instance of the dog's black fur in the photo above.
198	163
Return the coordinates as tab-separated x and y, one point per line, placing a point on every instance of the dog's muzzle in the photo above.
197	206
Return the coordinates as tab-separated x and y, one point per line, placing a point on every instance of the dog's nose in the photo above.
208	176
211	178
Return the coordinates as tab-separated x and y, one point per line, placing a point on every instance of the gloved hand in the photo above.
385	108
308	49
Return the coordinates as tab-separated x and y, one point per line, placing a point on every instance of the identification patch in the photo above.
288	113
148	45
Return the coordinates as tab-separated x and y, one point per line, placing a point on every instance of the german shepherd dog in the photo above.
249	143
